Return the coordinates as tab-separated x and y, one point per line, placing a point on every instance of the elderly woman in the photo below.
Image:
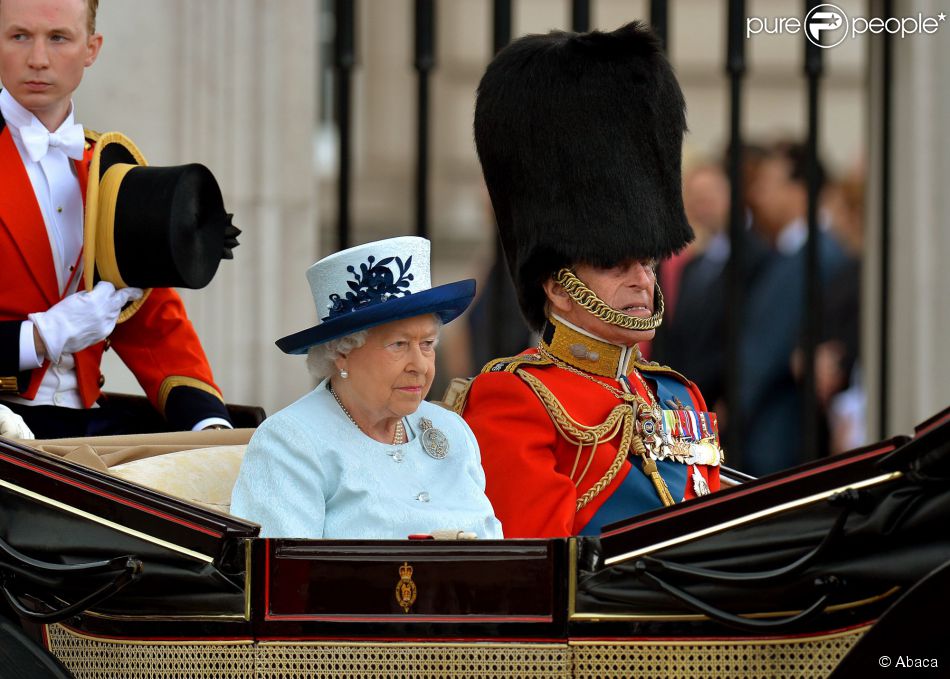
363	455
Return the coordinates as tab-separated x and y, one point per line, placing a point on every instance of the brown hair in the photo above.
91	7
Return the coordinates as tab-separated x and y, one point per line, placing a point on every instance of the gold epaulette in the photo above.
510	364
91	135
654	367
456	394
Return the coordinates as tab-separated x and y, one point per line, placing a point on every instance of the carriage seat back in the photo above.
199	467
203	476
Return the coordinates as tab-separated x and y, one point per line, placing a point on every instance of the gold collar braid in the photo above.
589	300
590	354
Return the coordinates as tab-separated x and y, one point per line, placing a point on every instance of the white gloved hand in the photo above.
12	425
454	535
81	319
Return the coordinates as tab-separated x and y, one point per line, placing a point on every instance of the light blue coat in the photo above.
309	472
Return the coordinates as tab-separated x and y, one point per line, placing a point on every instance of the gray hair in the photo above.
320	358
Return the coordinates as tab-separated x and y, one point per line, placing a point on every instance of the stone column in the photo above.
918	324
230	84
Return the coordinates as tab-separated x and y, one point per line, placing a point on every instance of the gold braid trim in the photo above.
129	309
581	435
622	416
615	466
173	381
510	364
589	300
649	468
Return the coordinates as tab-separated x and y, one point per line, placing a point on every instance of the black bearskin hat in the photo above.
580	139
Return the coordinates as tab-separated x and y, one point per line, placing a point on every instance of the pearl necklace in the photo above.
399	435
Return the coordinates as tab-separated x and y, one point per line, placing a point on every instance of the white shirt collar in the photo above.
17	116
792	237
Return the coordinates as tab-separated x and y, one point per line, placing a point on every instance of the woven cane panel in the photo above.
805	659
420	661
90	658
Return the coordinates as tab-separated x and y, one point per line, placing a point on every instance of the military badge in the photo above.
405	588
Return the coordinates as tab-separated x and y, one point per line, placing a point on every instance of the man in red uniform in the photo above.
52	336
580	140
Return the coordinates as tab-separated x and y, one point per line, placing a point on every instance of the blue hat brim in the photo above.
448	301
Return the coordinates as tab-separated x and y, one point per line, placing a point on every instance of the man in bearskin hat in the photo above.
579	137
53	331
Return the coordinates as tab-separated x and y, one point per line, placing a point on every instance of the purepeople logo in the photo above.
828	26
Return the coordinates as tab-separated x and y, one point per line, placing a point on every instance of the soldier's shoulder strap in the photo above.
653	368
511	364
456	394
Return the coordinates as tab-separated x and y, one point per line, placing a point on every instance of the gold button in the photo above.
59	209
102	379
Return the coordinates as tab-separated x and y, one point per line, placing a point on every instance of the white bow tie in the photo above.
37	140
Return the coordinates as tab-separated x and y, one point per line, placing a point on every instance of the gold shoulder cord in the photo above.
510	364
621	418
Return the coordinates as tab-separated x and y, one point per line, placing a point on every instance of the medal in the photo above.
699	484
434	441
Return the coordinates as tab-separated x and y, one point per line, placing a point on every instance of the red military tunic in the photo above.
158	343
523	411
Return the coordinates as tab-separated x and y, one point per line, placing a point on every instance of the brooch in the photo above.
434	441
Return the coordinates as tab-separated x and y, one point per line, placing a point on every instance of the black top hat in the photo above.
580	140
152	227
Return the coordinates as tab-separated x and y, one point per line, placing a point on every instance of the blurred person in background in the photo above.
837	357
691	337
772	398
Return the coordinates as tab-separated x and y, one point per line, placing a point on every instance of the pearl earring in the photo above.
344	374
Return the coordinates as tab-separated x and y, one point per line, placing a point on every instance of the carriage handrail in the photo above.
829	582
130	573
15	565
648	563
14	560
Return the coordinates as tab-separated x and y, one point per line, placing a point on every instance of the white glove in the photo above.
81	319
454	535
12	425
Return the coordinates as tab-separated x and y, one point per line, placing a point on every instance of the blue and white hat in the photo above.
373	284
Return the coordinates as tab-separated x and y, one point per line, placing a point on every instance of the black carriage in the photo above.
824	570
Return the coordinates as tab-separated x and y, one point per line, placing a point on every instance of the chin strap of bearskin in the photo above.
589	300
